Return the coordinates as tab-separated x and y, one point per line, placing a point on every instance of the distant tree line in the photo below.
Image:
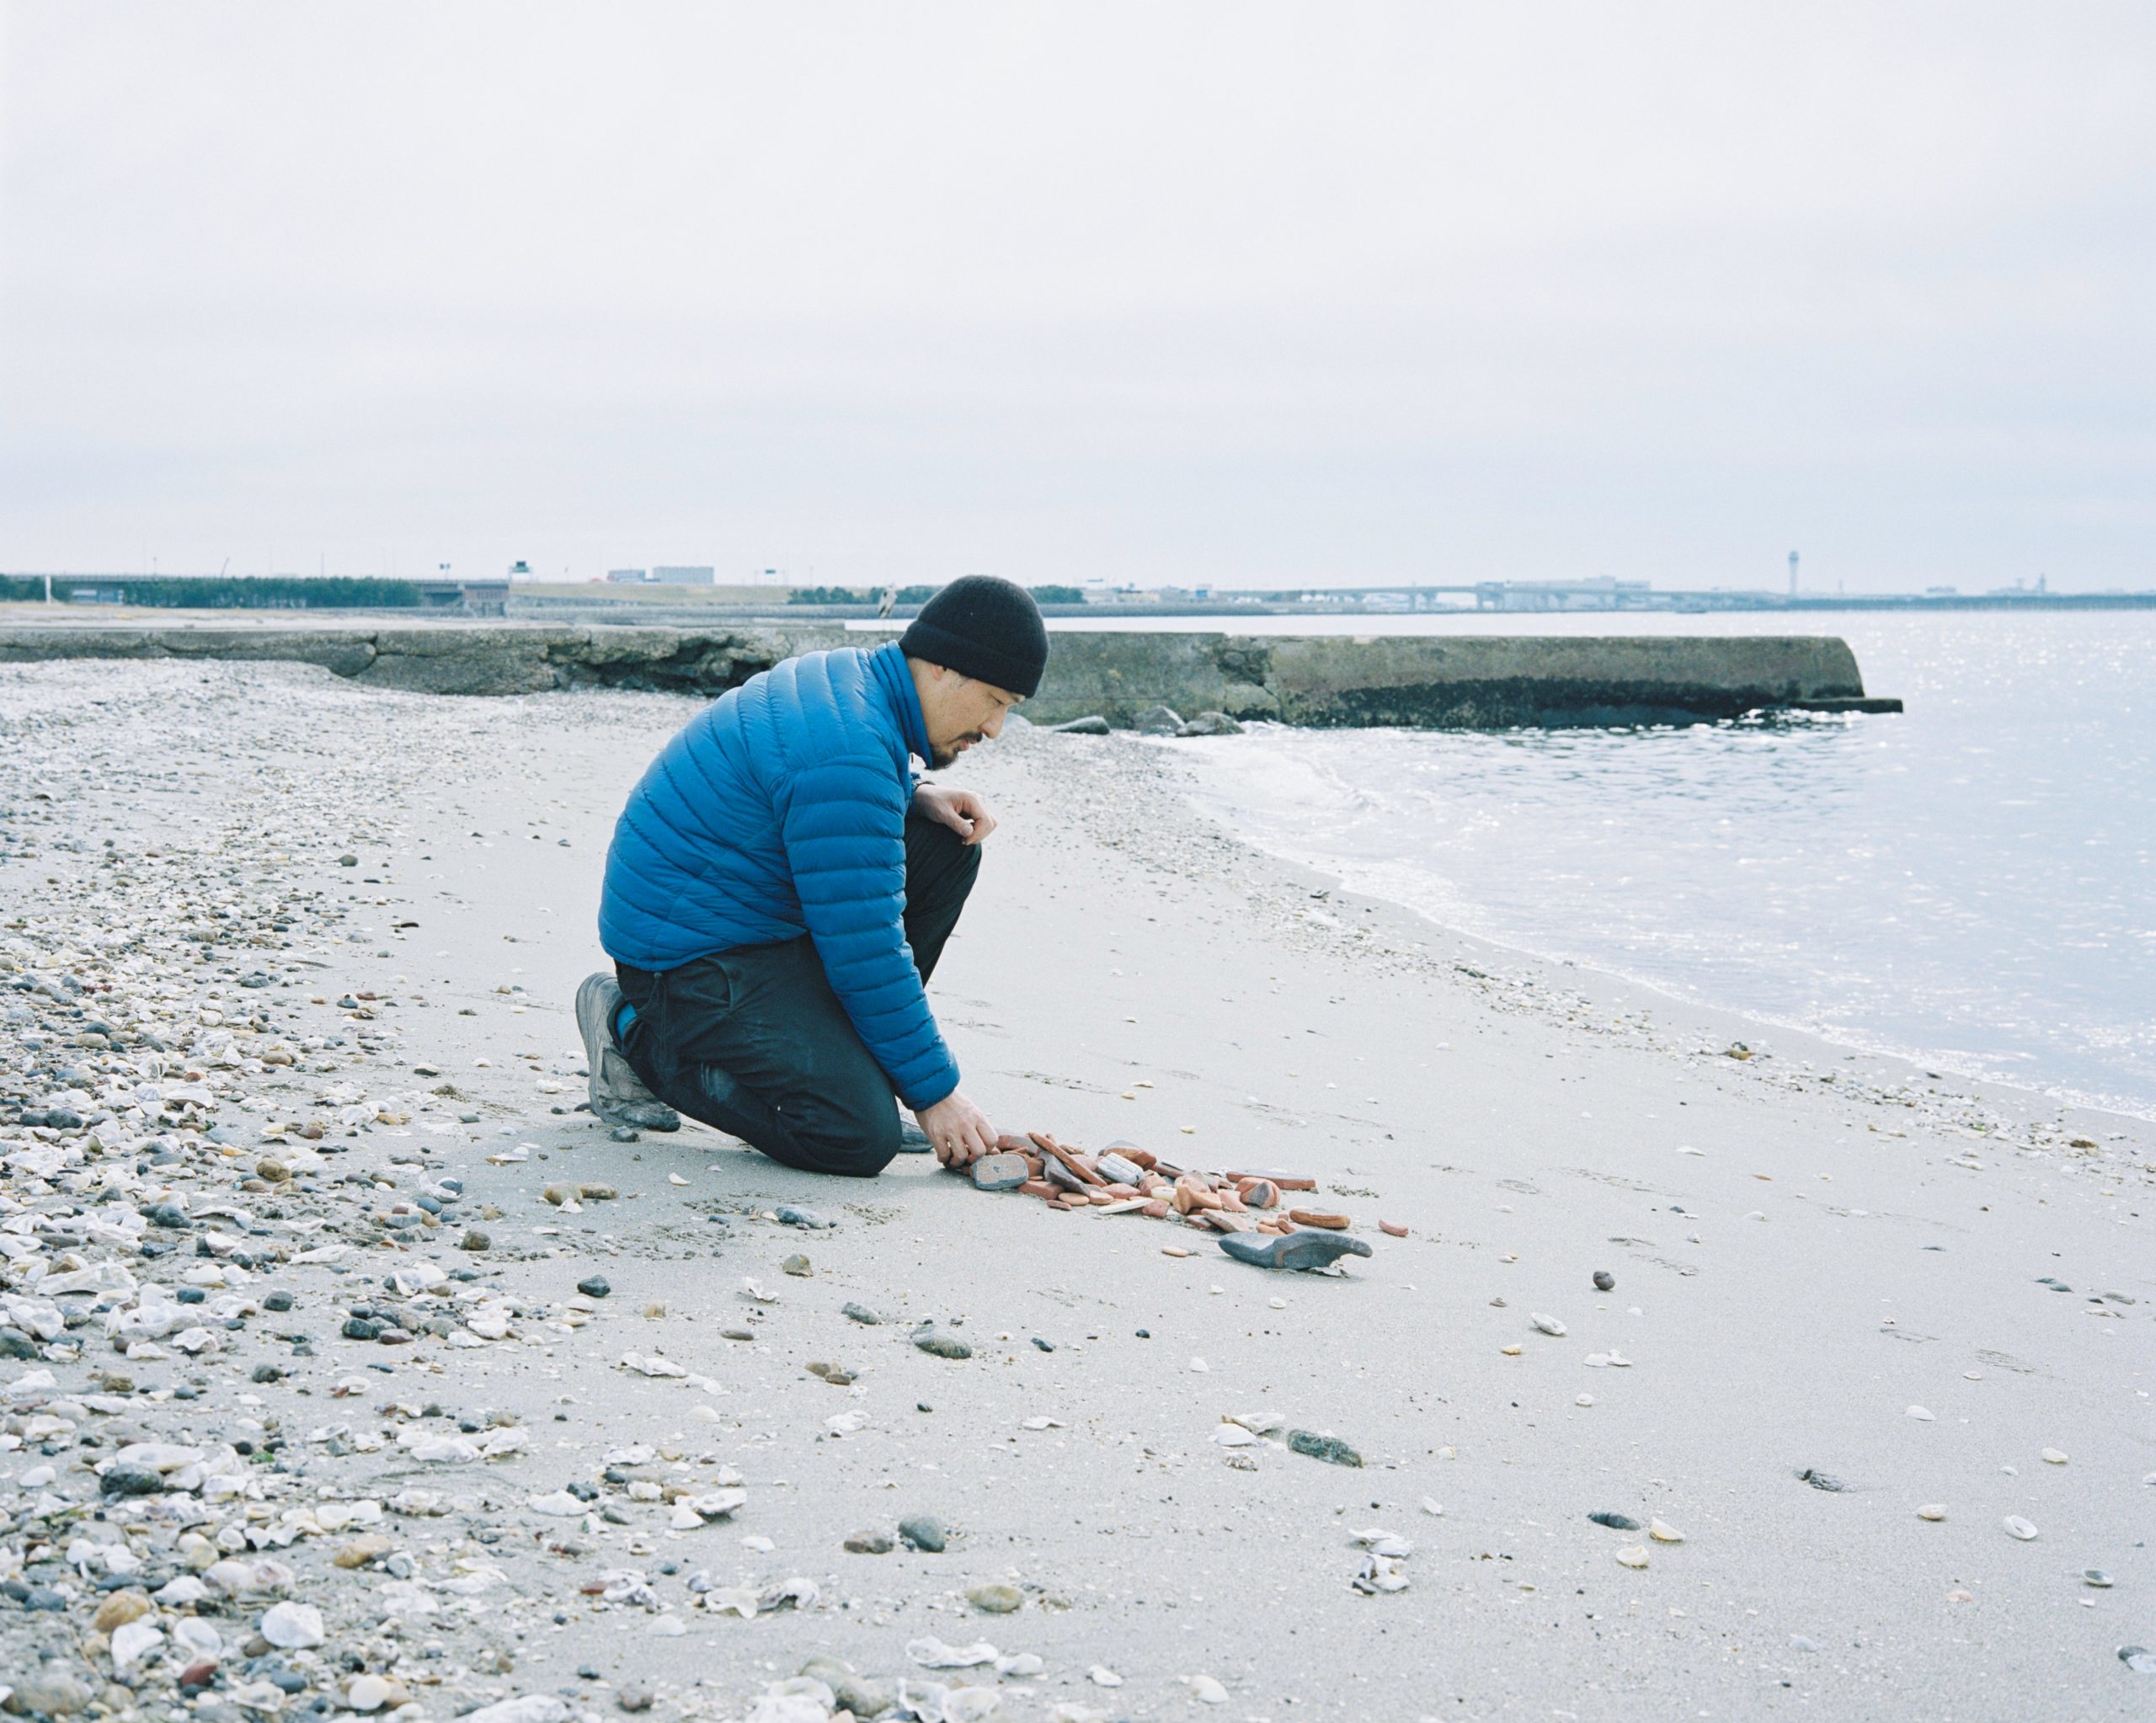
224	593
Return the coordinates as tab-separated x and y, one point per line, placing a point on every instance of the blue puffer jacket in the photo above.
779	811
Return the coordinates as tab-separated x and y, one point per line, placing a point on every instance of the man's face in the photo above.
959	712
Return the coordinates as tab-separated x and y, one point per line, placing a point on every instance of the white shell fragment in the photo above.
1546	1323
1379	1574
2020	1527
931	1653
292	1626
133	1640
1932	1511
1632	1555
2053	1457
1662	1532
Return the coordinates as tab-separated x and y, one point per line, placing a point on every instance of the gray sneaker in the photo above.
618	1095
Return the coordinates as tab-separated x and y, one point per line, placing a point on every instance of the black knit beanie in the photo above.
983	627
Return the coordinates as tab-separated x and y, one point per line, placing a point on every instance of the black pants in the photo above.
755	1042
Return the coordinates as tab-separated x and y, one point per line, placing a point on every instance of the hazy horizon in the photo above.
1241	295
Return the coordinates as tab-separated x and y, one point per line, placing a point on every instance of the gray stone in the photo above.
923	1534
860	1313
1158	721
50	1690
1092	726
930	1339
864	1698
1000	1172
1302	1250
1211	723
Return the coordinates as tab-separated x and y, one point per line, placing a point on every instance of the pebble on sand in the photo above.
1330	1448
930	1339
994	1599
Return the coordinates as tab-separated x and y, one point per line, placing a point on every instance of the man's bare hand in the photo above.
962	810
958	1131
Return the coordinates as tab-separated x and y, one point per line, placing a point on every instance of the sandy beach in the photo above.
1824	1263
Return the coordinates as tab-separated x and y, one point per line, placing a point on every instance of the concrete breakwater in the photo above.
1472	682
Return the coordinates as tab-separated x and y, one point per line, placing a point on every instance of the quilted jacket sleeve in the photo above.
843	824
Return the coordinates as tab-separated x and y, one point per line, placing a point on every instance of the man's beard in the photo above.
940	756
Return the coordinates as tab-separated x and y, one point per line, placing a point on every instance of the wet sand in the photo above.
1836	1253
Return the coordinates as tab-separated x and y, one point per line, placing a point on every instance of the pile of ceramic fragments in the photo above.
1124	1179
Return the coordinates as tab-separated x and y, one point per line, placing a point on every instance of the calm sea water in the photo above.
1973	882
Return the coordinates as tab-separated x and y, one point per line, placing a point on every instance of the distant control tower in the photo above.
1792	574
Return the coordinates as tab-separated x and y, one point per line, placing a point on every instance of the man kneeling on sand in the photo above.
780	887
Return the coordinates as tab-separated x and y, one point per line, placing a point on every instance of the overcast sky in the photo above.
1243	293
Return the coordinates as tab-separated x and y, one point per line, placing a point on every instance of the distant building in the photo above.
623	577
